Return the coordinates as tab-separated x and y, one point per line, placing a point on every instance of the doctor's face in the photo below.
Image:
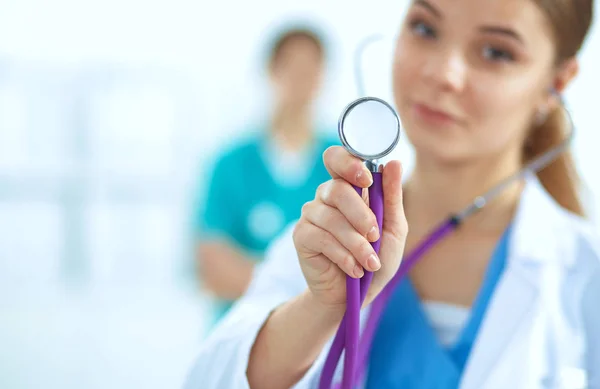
470	75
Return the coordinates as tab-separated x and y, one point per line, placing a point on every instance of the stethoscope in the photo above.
356	125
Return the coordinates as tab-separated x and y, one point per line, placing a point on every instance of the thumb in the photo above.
394	220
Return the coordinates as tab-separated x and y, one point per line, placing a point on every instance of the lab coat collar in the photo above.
537	225
537	235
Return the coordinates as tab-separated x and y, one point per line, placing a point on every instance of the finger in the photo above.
341	164
394	219
316	240
339	194
331	220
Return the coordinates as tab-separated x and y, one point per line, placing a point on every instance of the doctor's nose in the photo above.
446	70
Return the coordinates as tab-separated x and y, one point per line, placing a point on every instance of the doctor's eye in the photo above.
497	55
423	29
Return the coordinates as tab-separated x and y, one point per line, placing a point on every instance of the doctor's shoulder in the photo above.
580	294
236	154
580	257
584	243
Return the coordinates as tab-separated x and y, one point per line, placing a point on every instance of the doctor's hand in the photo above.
334	234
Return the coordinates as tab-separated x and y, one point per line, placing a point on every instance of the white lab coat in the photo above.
541	329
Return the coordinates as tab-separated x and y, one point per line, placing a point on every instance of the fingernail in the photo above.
374	263
373	234
358	271
364	177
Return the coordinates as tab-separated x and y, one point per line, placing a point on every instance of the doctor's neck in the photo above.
436	190
292	127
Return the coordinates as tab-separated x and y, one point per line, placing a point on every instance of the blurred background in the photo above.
111	113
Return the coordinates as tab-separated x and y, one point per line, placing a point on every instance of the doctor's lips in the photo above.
433	115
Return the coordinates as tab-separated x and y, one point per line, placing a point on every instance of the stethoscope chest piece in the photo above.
369	128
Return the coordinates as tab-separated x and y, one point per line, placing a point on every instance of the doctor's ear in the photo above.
565	74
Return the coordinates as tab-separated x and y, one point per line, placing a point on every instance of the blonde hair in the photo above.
560	177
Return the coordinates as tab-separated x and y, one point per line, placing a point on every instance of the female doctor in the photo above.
509	300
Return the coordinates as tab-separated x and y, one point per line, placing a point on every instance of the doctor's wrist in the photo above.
328	314
290	341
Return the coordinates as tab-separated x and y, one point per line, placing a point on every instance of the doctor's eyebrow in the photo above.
495	30
430	7
508	32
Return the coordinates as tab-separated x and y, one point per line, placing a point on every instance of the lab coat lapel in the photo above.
532	246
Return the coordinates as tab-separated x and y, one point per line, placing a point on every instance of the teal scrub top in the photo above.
247	205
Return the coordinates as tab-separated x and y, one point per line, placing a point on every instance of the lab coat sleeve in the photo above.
591	321
223	357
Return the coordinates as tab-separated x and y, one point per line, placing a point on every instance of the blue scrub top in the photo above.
247	205
406	352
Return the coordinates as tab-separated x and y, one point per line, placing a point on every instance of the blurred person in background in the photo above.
260	183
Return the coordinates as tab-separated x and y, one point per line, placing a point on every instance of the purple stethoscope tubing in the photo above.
347	336
350	334
356	290
384	296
